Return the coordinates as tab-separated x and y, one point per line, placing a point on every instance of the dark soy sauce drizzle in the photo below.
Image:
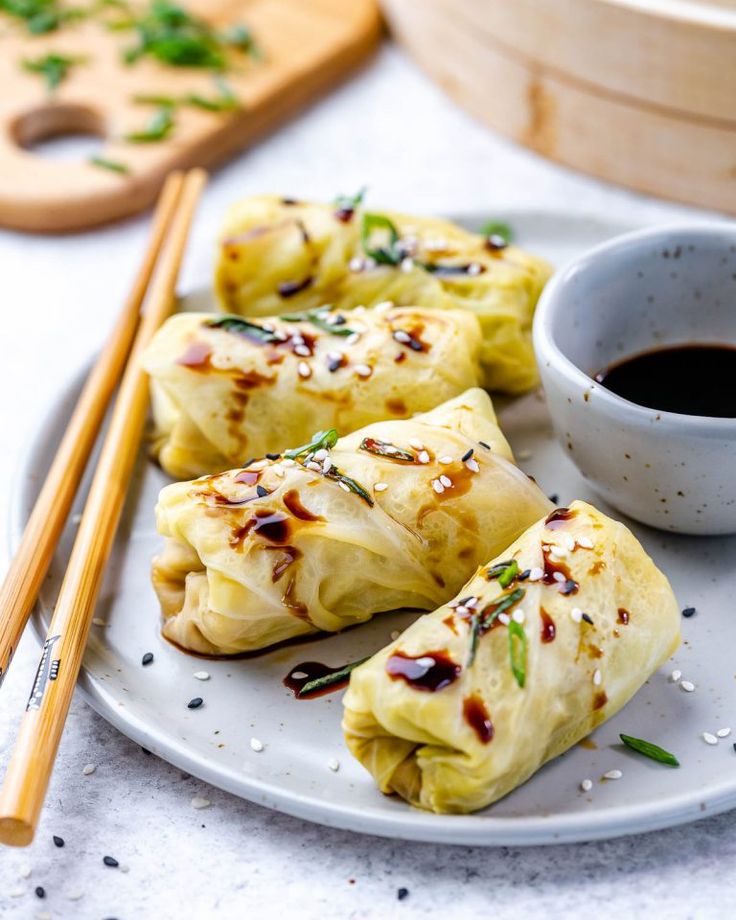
313	670
689	379
476	715
548	629
431	671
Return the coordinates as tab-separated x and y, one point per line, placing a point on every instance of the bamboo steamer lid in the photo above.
640	92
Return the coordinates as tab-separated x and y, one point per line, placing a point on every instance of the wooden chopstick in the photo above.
42	725
46	522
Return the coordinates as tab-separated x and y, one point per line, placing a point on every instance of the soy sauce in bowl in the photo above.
694	379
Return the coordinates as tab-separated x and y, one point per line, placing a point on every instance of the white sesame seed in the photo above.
199	802
334	764
597	677
269	327
446	459
570	544
446	481
474	268
201	675
344	486
576	614
395	633
42	915
407	265
524	454
297	339
472	465
675	676
383	306
25	871
402	336
504	618
709	738
585	542
334	356
558	552
317	467
363	370
558	576
355	265
471	602
380	487
256	745
302	351
437	486
423	456
98	621
88	769
352	338
303	369
586	785
123	867
613	774
287	461
416	444
462	610
723	732
535	574
17	893
518	616
687	685
320	454
74	895
327	466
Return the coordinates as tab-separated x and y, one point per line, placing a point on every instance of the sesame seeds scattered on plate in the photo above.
675	676
200	802
689	612
195	703
58	841
687	685
256	745
586	785
723	732
613	774
201	675
709	738
334	764
524	454
110	861
380	487
17	893
88	769
74	894
147	659
25	871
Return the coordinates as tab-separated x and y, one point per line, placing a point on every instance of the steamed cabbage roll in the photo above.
397	514
225	389
278	254
544	643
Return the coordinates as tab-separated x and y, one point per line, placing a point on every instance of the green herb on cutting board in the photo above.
53	67
158	129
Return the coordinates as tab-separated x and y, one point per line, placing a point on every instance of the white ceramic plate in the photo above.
246	698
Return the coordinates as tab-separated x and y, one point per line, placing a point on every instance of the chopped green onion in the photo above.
346	204
231	323
53	67
111	165
335	677
517	651
317	318
158	129
387	254
352	485
497	228
505	572
485	618
653	751
385	449
322	439
40	16
149	99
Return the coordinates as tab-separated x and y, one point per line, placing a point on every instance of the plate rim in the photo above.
409	823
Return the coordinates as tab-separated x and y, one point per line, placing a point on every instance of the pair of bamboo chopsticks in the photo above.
30	767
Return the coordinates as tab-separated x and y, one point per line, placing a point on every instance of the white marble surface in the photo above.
389	128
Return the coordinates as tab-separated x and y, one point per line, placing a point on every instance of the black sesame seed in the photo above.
110	861
334	364
58	841
554	498
338	320
569	587
734	745
414	344
402	893
689	612
465	600
261	492
588	618
195	703
40	892
273	456
147	658
248	463
522	576
483	444
467	455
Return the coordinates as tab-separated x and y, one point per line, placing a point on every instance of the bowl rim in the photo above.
550	356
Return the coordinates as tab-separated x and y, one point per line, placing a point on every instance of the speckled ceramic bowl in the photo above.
669	285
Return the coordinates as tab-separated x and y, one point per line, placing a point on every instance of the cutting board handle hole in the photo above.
60	132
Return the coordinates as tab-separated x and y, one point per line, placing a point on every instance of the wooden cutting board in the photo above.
639	92
308	45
